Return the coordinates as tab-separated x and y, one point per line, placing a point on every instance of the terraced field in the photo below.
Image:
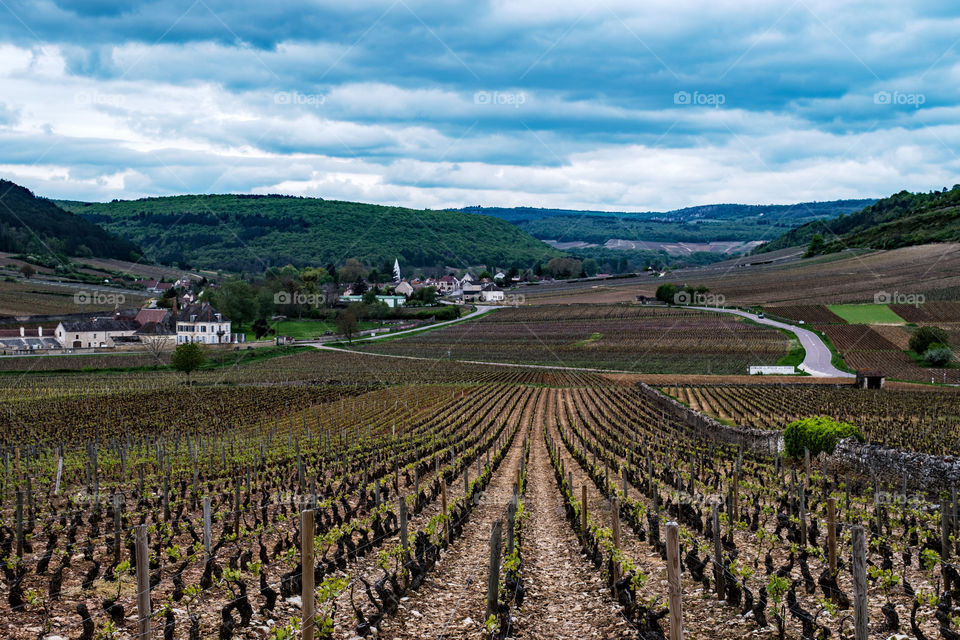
618	337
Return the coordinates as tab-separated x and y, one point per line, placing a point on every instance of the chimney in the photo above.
22	332
40	331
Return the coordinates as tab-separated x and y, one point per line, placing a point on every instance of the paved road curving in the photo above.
818	361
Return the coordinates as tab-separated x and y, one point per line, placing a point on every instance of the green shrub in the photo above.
924	337
937	355
818	434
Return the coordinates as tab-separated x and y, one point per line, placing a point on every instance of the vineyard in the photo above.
926	421
621	337
450	500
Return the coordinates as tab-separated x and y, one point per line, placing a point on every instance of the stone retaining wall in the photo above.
923	471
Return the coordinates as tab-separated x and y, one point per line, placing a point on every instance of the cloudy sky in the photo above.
603	104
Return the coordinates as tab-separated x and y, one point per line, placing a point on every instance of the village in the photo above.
179	314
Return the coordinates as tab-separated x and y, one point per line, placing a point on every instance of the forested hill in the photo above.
903	219
32	225
705	223
253	232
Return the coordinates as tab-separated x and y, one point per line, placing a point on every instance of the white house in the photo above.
96	332
202	323
491	293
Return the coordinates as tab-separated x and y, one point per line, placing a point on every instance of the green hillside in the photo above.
902	220
705	223
32	225
252	233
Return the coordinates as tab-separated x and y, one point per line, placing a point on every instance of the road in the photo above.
818	361
479	312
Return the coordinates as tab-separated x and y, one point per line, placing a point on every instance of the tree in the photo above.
564	267
347	323
485	275
370	296
156	345
261	328
924	337
28	271
236	300
666	293
816	245
359	287
188	357
351	270
590	267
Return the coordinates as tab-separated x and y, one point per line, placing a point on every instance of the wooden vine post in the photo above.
674	593
143	583
861	624
207	534
583	508
443	507
306	563
718	569
493	579
403	527
832	534
615	522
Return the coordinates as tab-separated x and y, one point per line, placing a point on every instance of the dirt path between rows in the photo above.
566	598
452	600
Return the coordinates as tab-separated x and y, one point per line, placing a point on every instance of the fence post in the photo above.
832	534
143	584
718	567
861	624
306	576
493	579
207	535
673	582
